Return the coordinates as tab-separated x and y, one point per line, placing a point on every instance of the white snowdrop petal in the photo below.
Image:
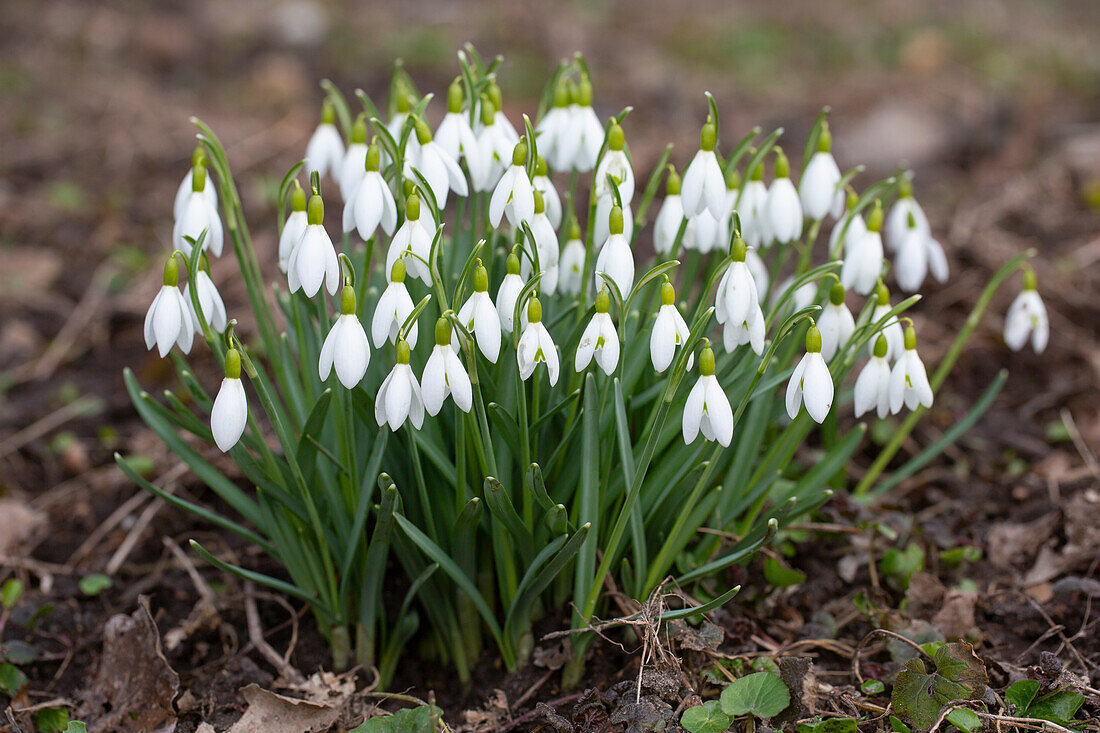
229	415
817	388
719	412
794	389
433	385
693	411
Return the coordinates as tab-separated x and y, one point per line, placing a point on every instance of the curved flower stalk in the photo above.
325	151
198	216
371	203
399	399
480	317
412	243
599	340
819	188
847	234
1027	316
707	409
536	346
670	330
313	260
704	186
346	345
168	321
229	414
616	260
392	310
811	384
783	209
444	376
601	231
908	379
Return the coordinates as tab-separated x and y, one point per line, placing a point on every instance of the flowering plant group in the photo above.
583	433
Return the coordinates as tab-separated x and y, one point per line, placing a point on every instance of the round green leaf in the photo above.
94	584
705	718
872	687
762	695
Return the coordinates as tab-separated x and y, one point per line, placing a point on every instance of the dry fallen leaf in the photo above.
18	523
268	711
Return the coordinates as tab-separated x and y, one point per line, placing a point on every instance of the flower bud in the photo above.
672	185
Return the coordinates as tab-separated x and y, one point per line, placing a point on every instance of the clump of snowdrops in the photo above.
507	403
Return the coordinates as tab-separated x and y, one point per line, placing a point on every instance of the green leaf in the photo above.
19	652
410	720
1021	694
965	719
761	694
12	679
872	687
705	718
900	565
1057	707
897	726
94	584
51	720
781	576
837	725
914	695
11	592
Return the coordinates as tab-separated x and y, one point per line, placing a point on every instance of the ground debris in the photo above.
268	711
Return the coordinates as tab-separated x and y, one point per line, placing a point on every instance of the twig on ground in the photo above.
256	637
134	535
82	407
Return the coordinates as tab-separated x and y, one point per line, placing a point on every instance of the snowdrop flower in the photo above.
783	209
198	216
811	384
536	346
454	133
599	340
396	126
704	186
444	376
819	187
514	193
508	292
1027	316
438	167
571	263
556	138
873	384
399	398
186	186
585	128
325	150
600	230
545	186
546	245
210	301
505	129
393	309
669	331
707	409
412	243
294	227
737	304
835	323
897	224
372	201
352	168
908	380
480	316
863	256
615	165
892	330
346	345
847	234
616	260
486	161
168	320
917	253
670	217
229	415
313	259
707	233
752	210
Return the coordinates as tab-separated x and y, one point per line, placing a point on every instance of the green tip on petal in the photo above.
298	198
198	177
534	311
328	112
403	352
813	340
882	293
171	271
511	265
615	220
1031	282
481	278
583	93
733	179
519	154
412	207
874	219
668	293
455	96
373	159
782	165
442	332
488	110
347	301
706	362
825	139
603	301
672	186
881	347
911	221
615	137
397	272
740	249
316	210
836	294
359	130
708	137
232	364
423	133
541	169
910	338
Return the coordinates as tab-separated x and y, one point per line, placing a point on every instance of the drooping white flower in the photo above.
846	234
313	260
669	218
480	316
454	134
599	340
294	227
616	260
210	301
873	384
545	186
908	379
584	128
325	150
546	246
759	272
444	374
752	210
536	346
506	129
707	409
556	139
393	309
1027	316
514	194
412	242
439	169
198	216
168	320
836	323
917	253
187	185
352	167
811	384
346	345
819	186
229	415
892	330
737	304
508	292
600	230
399	398
704	186
615	168
669	331
372	201
897	223
571	264
706	232
493	150
783	209
863	256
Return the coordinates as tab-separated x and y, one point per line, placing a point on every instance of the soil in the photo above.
995	105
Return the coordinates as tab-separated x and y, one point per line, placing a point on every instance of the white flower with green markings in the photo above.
444	374
616	260
346	345
811	384
707	409
480	317
313	260
325	151
704	186
168	321
836	323
399	398
392	310
229	414
600	340
1027	316
536	346
908	379
670	331
872	389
